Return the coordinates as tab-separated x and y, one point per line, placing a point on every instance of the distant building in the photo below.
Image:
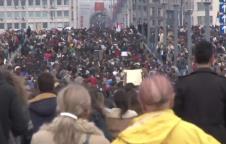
37	14
199	12
136	12
87	9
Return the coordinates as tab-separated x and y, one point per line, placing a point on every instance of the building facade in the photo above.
199	12
141	11
89	8
37	14
136	12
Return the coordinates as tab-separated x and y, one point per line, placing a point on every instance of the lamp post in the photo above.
156	2
176	7
164	4
207	18
188	12
148	23
181	12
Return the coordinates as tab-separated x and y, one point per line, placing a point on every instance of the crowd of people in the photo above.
69	86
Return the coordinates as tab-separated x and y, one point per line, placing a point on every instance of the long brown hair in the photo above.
18	83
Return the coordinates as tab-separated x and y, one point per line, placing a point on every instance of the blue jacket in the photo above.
42	109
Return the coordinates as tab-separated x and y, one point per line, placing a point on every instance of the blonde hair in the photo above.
156	91
73	99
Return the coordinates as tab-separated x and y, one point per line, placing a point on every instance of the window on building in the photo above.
52	14
31	14
17	15
1	2
201	6
16	26
23	14
66	2
66	24
2	15
9	2
145	8
16	2
59	13
201	20
159	12
45	14
45	25
9	15
134	7
2	26
23	25
37	14
44	2
37	2
59	2
66	13
9	25
159	22
30	2
152	11
23	2
51	2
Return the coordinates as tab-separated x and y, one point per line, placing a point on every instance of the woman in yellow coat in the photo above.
159	124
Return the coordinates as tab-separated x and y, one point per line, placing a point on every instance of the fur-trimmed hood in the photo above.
46	135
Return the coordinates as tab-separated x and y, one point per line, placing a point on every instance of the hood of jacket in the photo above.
151	128
43	105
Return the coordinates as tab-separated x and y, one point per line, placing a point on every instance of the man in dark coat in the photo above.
12	117
201	96
43	107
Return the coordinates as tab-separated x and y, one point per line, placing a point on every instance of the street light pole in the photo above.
142	18
164	4
156	22
181	12
176	6
189	40
148	23
207	19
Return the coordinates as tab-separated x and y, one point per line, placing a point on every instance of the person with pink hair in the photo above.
159	124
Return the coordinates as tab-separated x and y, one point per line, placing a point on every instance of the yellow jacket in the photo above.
163	127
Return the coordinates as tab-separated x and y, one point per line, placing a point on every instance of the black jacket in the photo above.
42	109
12	117
201	99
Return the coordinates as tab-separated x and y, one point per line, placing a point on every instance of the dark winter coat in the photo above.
12	117
201	99
42	109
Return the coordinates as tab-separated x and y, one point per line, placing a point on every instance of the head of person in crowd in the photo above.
1	58
122	101
46	82
97	99
135	105
97	111
156	93
71	125
17	70
18	83
43	106
204	54
159	124
121	115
